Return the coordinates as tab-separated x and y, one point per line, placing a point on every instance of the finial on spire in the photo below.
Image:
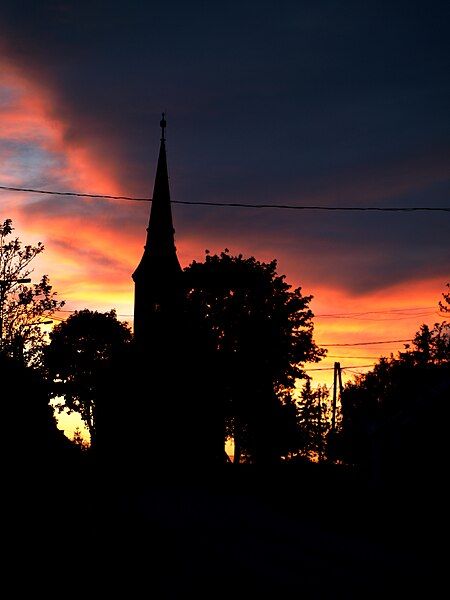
163	124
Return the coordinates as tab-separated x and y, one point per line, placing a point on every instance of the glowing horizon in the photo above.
93	246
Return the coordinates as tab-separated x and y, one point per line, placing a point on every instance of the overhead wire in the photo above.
352	357
342	368
233	204
328	345
346	314
372	312
248	205
323	345
396	318
352	371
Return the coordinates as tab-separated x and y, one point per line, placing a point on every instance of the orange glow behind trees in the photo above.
93	246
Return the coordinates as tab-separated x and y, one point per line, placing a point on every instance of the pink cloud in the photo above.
94	246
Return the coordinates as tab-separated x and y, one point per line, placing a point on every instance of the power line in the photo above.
352	357
356	319
396	318
131	316
373	312
349	314
343	368
352	371
78	194
235	204
325	345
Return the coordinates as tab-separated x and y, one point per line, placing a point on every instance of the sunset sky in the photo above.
339	103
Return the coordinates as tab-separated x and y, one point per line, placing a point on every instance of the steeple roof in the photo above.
160	251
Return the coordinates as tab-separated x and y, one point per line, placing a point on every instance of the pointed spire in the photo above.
160	239
160	244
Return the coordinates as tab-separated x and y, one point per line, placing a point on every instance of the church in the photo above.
177	418
172	393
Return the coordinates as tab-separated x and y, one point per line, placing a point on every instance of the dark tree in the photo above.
445	306
429	346
79	440
29	434
23	306
313	421
395	417
261	332
80	350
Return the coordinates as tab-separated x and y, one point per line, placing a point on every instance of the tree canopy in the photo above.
313	421
251	310
80	349
23	307
398	411
261	331
445	305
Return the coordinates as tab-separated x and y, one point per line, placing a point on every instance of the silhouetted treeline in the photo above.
80	349
396	417
30	439
221	362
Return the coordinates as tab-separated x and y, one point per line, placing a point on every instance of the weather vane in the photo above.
163	124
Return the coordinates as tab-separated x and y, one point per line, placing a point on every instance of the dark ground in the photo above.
303	531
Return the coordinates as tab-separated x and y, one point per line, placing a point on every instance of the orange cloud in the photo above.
94	246
77	247
28	115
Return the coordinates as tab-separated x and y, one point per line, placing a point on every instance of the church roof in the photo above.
160	244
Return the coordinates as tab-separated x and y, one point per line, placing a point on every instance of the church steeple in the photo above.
160	231
157	275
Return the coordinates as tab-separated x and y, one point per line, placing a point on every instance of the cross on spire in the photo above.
163	124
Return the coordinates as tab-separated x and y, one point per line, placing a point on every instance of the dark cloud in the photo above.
325	102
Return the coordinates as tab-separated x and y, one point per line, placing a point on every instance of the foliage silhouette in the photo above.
445	306
395	417
313	421
79	440
23	307
261	333
30	437
80	349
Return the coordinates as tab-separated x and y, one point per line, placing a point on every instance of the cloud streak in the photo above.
309	105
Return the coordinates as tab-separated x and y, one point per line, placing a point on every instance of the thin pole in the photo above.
319	424
337	368
341	387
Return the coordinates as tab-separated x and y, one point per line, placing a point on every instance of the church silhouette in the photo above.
159	407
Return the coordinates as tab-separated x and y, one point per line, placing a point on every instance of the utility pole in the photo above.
341	387
319	426
337	380
337	370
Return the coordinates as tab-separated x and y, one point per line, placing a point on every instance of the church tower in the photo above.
172	371
157	278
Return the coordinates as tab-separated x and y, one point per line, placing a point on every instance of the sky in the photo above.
323	103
